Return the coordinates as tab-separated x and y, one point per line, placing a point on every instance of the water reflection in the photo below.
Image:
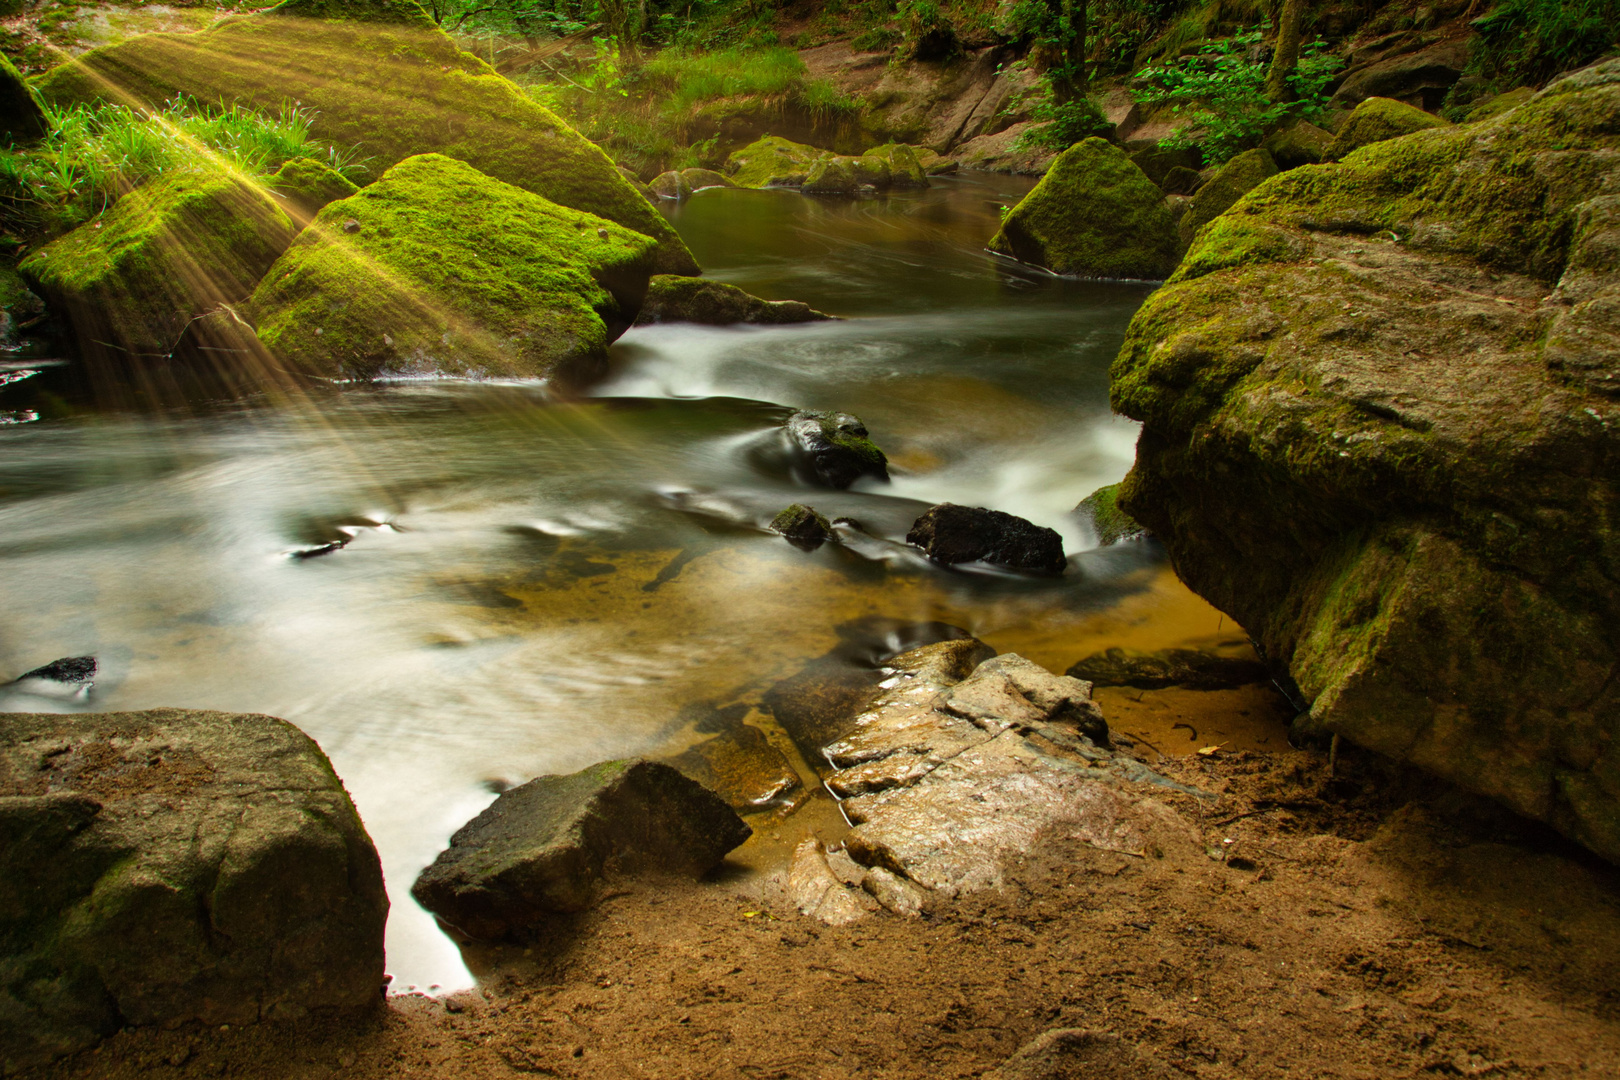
513	584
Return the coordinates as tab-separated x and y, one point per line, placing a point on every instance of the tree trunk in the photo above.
1077	45
1286	57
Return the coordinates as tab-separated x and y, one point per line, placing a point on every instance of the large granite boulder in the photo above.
1094	214
547	848
381	77
952	534
671	298
304	185
1375	120
130	281
171	866
1380	430
437	268
1235	179
905	169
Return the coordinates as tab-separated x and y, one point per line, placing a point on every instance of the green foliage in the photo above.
1222	93
1529	41
97	153
1066	123
686	79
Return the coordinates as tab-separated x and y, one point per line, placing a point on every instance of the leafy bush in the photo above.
1222	94
95	154
1066	124
1529	41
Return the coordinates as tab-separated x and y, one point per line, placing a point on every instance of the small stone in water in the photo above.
69	669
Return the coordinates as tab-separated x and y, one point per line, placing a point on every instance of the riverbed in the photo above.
456	586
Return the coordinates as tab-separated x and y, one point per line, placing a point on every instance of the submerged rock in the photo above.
438	268
1236	179
1111	524
546	848
1094	214
21	118
741	766
381	77
1379	420
834	448
176	866
772	162
714	303
305	185
1375	120
1190	669
803	527
173	249
953	534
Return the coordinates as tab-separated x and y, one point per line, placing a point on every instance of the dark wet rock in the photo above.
1191	669
834	449
1378	421
173	866
79	670
1420	77
1101	511
1300	143
953	534
1235	179
1094	214
305	185
1180	181
671	298
547	848
1077	1054
741	766
21	118
223	343
803	527
1376	120
1158	161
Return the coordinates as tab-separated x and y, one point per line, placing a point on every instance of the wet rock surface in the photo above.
741	766
1079	1054
546	848
1111	525
1191	669
834	449
714	303
953	534
802	526
170	866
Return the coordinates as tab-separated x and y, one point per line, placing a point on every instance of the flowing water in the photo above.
531	585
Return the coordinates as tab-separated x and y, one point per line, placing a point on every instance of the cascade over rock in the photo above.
1381	429
378	76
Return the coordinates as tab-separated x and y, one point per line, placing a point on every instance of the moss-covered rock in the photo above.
18	305
1379	429
21	118
1498	104
305	185
841	175
129	281
699	179
1376	120
670	185
1300	143
1094	214
933	163
1237	178
904	170
1180	181
772	162
1101	511
833	449
439	268
1157	161
380	77
802	526
714	303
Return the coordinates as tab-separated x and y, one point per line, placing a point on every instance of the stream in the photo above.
528	585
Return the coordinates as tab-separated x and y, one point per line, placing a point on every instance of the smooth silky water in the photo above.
533	585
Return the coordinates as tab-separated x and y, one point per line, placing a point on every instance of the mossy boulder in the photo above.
1498	104
843	175
439	268
772	162
714	303
1101	511
18	305
1300	143
1375	120
699	179
833	449
1379	429
904	170
1157	161
21	118
1180	181
129	281
176	867
305	185
934	163
1094	214
381	78
1236	178
670	185
802	526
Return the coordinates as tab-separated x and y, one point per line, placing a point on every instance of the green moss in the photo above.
1237	178
1375	120
1094	214
1111	523
308	185
831	175
171	250
904	170
714	303
393	90
398	12
1300	143
837	430
1230	241
1500	104
772	162
21	118
439	268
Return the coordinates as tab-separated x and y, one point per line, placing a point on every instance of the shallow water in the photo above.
534	585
